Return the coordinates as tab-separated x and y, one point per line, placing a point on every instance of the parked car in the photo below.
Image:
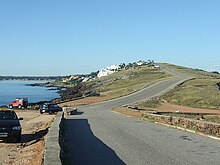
19	103
50	108
10	127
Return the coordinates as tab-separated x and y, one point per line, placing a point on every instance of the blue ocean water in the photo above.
11	89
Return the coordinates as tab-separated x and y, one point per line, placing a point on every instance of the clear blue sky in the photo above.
63	37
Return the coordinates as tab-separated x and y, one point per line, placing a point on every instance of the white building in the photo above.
139	63
108	70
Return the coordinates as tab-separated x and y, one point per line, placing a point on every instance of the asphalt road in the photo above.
98	136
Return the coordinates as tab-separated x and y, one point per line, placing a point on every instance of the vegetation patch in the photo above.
128	112
151	103
212	118
128	81
201	92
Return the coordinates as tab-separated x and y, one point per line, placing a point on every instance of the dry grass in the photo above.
202	92
212	118
128	112
151	103
129	81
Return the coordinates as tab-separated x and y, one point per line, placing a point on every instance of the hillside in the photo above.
118	84
200	92
128	81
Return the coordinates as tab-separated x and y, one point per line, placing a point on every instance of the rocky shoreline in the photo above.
48	85
80	90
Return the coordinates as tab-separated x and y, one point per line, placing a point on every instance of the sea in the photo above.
11	89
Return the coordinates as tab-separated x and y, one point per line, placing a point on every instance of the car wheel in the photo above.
19	106
51	112
10	106
41	112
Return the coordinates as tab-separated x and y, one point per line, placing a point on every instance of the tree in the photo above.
215	72
128	66
150	62
94	74
122	66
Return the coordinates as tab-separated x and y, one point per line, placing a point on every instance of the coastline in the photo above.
59	89
48	85
11	89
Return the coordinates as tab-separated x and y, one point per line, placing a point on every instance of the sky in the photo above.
64	37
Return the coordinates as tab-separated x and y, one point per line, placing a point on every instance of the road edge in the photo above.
171	126
52	147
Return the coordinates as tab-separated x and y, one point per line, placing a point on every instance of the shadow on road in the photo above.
82	147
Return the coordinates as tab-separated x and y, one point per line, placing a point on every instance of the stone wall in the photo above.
196	125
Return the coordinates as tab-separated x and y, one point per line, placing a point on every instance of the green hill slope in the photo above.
118	84
128	81
201	92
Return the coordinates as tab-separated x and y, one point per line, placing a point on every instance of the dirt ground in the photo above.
30	150
166	107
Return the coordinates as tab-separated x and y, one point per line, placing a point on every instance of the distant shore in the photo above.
35	78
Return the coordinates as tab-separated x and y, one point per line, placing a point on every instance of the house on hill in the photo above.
108	70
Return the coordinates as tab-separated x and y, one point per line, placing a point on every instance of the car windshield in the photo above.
8	115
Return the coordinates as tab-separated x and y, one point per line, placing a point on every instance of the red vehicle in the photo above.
19	103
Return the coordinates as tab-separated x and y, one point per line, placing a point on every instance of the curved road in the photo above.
98	136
